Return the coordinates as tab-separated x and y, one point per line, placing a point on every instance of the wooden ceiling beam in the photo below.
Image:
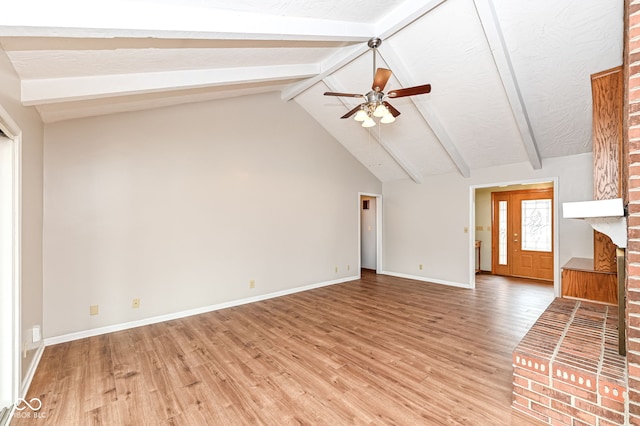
493	32
428	113
53	90
118	18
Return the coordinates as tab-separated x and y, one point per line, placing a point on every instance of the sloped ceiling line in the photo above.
495	38
393	22
404	164
426	111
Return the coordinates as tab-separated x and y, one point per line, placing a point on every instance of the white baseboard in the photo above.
31	371
168	317
428	280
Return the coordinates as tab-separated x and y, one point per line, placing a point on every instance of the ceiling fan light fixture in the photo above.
374	104
361	115
369	122
380	111
388	118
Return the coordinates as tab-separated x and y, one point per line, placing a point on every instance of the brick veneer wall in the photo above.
523	382
567	369
632	73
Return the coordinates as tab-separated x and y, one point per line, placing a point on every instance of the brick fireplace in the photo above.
632	100
567	370
632	68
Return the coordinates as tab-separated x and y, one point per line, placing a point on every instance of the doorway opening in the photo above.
514	230
370	231
9	266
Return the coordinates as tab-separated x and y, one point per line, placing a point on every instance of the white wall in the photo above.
183	206
483	227
29	123
425	224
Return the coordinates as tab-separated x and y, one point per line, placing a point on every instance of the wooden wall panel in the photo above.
607	90
594	286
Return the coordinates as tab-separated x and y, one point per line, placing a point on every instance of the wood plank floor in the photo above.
380	350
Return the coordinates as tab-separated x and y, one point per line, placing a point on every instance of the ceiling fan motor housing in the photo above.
374	97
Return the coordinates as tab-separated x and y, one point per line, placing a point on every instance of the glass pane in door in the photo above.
502	232
536	225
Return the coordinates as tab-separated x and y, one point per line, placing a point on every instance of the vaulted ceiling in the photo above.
510	79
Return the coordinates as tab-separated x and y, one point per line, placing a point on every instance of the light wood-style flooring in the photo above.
380	350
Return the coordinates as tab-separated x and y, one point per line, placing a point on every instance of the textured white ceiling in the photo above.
510	79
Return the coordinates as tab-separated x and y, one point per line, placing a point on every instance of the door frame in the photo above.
378	198
11	306
556	221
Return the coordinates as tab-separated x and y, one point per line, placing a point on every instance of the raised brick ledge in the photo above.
567	366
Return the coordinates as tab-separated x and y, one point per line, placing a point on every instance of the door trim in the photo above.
378	198
556	234
14	134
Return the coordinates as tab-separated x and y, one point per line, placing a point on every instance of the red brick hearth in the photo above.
567	370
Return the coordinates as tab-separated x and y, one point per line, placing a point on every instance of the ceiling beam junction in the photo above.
493	32
399	18
425	109
405	165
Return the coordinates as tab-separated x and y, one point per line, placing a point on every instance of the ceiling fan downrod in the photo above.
374	43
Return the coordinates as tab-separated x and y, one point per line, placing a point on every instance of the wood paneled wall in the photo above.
607	89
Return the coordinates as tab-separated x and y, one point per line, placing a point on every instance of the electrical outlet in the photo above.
466	230
252	283
336	269
93	310
35	334
135	304
348	267
420	266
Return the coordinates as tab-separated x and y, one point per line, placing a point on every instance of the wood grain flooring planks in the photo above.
380	350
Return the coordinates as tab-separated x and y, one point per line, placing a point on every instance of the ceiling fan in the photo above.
375	104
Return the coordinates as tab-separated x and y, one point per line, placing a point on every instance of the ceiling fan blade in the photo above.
380	79
349	95
353	111
410	91
391	109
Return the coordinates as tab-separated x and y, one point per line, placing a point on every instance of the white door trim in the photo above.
556	237
11	306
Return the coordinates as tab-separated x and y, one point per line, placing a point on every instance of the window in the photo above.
536	225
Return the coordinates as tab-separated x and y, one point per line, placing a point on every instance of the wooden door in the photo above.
523	233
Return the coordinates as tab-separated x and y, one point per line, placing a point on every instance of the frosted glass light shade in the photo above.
368	122
388	118
380	111
361	115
